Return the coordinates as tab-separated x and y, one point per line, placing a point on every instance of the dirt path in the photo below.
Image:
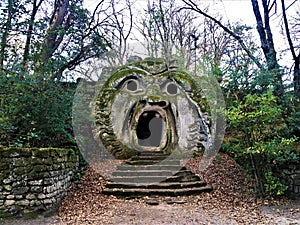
288	214
185	211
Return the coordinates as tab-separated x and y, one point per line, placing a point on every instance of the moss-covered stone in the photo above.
42	153
30	215
4	175
48	161
23	172
5	215
118	110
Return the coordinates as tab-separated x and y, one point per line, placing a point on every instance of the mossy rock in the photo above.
5	215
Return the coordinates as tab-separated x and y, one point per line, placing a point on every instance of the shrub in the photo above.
34	113
256	142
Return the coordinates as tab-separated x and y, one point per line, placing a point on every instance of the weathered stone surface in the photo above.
10	197
9	202
36	182
23	202
151	105
36	189
8	180
41	196
30	196
20	190
19	197
27	174
7	187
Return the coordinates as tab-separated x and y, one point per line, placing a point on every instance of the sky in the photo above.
240	11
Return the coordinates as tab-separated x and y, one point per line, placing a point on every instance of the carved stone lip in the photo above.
157	109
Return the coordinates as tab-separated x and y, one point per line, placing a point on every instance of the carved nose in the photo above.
160	103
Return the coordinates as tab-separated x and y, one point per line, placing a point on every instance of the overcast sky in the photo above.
234	11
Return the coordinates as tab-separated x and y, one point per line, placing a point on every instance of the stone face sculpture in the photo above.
150	106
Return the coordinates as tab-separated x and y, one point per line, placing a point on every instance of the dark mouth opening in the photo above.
150	129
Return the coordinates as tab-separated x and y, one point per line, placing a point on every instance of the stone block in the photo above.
48	201
42	153
8	180
36	189
24	202
49	181
47	161
9	202
20	190
41	196
36	182
40	168
30	196
10	197
3	166
7	187
19	162
19	171
19	197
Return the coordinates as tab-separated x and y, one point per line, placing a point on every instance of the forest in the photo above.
46	45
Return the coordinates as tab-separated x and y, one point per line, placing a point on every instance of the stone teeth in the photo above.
145	114
157	115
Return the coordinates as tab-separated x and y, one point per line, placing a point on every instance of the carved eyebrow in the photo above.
184	86
171	80
121	83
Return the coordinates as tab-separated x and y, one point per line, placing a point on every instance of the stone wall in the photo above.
33	181
292	178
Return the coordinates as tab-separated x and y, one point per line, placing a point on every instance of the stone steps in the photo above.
128	167
153	173
146	173
161	185
154	179
164	192
153	162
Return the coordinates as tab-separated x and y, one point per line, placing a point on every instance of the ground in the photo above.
231	202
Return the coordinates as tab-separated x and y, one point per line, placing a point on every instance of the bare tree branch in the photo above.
192	6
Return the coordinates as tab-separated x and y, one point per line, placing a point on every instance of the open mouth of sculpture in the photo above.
151	128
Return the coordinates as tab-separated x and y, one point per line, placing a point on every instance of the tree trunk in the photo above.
296	57
29	32
5	29
54	37
267	44
296	74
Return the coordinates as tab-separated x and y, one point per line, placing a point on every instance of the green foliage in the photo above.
273	186
34	113
256	140
258	117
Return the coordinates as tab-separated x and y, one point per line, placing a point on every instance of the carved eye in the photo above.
172	89
132	85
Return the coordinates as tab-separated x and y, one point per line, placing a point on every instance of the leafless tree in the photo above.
120	30
292	35
168	31
193	6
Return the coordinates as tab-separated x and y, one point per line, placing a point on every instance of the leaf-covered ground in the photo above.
231	202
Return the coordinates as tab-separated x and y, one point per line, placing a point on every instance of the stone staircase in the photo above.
154	173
